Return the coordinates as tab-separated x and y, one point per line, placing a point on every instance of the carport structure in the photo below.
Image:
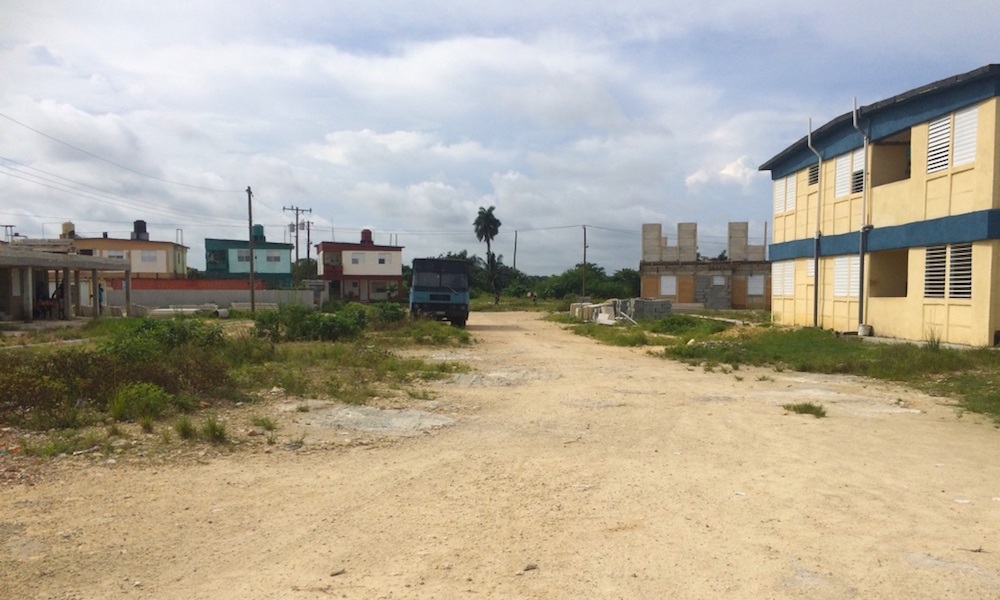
22	272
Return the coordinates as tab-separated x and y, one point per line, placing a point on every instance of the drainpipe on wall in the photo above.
863	233
819	204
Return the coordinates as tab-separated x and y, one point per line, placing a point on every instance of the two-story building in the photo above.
890	222
361	271
149	258
230	259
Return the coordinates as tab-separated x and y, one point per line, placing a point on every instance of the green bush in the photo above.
138	400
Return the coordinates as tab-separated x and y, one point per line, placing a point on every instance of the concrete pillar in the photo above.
28	293
64	301
76	297
128	292
95	301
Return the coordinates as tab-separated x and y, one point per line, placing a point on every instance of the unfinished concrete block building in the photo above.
676	273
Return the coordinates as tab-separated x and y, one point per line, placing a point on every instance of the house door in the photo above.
364	291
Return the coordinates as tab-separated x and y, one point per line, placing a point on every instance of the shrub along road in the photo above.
571	470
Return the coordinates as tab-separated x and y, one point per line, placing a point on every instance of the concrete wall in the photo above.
223	298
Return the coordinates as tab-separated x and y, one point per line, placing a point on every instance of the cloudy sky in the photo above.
405	117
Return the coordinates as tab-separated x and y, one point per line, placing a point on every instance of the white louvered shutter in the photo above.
960	271
777	279
858	171
790	193
854	273
789	278
966	124
668	285
938	142
843	178
779	196
755	285
841	276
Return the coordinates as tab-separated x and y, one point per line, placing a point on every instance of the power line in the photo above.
114	164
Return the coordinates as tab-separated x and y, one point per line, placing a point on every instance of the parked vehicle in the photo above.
440	288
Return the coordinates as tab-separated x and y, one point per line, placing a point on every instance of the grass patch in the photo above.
265	423
212	430
806	408
185	428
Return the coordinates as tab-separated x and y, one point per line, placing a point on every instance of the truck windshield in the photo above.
441	277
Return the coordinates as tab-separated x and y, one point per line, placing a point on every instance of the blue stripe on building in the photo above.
958	229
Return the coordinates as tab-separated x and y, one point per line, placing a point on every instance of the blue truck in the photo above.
440	289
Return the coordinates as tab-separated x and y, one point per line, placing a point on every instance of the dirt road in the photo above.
568	470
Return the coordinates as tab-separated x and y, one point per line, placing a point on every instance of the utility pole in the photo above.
253	297
515	249
584	261
298	225
308	246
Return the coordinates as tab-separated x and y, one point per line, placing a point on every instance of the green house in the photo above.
230	259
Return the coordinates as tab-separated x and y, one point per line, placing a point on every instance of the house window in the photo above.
813	174
718	280
114	253
215	257
811	268
274	256
755	285
846	272
938	138
243	256
149	256
934	271
960	271
383	258
668	285
357	258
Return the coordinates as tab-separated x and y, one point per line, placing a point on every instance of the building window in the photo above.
813	174
718	280
755	285
114	253
783	278
243	256
149	256
357	258
934	271
858	171
274	256
850	173
846	272
215	257
966	125
668	285
960	271
938	137
779	195
784	194
384	259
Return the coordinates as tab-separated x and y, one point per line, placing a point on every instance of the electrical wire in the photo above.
114	164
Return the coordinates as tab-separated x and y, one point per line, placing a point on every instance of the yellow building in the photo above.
893	215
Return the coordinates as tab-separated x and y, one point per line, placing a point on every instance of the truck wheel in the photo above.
460	323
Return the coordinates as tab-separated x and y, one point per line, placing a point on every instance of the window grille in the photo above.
938	140
813	174
934	271
960	271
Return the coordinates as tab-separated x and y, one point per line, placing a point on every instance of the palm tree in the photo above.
487	227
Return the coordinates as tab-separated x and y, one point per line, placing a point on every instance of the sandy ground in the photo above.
558	468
